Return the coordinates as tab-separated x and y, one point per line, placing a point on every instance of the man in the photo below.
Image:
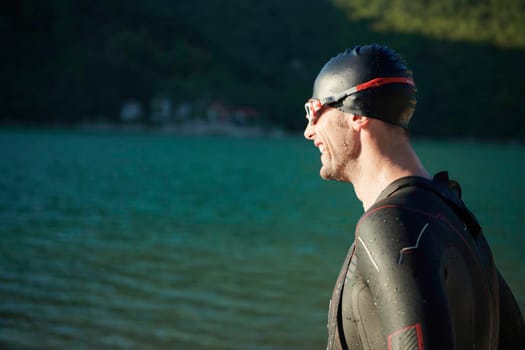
419	274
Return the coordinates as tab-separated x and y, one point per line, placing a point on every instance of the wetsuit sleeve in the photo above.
401	266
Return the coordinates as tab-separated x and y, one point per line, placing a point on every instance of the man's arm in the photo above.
399	259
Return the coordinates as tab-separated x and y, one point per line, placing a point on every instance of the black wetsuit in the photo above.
420	275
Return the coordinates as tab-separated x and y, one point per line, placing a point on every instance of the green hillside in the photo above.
80	61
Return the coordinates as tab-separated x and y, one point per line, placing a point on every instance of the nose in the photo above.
309	131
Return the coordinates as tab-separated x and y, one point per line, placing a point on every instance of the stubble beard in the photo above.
339	169
336	172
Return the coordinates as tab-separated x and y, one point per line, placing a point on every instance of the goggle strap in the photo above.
314	105
368	85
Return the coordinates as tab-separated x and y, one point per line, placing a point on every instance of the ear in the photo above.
359	122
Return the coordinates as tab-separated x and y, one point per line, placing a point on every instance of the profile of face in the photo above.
338	143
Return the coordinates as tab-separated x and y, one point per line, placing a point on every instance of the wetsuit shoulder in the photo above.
398	262
425	273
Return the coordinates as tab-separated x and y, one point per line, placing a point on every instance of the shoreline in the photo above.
191	128
205	128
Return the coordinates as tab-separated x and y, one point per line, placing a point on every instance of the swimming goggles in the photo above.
313	106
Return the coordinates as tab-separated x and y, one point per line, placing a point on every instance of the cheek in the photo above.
353	147
342	122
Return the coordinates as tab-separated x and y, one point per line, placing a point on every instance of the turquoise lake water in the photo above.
114	240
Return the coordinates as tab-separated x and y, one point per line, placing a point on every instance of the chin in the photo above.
326	174
329	174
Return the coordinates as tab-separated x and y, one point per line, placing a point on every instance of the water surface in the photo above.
150	242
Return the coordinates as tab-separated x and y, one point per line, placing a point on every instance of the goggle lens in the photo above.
312	108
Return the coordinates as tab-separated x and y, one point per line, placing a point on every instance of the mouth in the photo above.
321	147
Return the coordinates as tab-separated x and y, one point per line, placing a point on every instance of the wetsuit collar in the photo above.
400	183
449	191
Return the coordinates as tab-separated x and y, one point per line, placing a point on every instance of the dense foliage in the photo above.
73	61
501	22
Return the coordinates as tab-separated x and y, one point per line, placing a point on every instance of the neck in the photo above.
381	163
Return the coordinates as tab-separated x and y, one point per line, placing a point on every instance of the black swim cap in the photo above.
392	102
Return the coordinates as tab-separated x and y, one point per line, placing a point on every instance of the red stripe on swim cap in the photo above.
382	81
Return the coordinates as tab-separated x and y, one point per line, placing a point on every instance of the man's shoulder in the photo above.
392	216
410	196
412	201
401	215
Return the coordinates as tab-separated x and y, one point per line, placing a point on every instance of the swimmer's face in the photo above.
336	140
